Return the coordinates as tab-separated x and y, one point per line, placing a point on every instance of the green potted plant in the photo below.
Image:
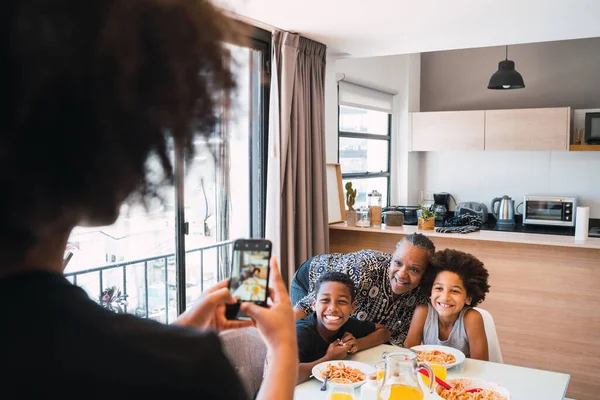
350	199
427	218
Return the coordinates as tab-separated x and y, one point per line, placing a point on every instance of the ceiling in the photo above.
364	28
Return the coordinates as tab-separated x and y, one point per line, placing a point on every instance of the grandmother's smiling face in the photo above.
407	268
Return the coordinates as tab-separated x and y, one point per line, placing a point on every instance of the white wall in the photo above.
399	75
481	176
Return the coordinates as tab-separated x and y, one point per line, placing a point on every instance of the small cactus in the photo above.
350	196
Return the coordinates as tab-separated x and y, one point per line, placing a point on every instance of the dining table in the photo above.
522	383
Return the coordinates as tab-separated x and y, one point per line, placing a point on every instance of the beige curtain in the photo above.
296	185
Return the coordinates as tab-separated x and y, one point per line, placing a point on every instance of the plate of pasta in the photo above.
489	390
355	371
448	356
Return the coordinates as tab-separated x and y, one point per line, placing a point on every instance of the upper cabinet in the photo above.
528	129
520	129
447	130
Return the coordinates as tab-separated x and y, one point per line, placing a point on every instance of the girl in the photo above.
460	283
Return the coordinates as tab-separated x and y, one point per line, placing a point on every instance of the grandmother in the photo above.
388	285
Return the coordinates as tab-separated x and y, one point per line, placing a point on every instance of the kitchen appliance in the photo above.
549	210
441	205
472	208
592	128
505	212
594	232
410	213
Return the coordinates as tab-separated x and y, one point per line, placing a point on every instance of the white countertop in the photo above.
492	236
522	383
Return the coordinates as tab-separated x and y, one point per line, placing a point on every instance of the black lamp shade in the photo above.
506	77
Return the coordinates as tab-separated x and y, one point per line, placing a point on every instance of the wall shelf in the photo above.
584	147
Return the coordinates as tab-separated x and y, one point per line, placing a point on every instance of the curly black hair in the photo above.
91	89
468	267
335	276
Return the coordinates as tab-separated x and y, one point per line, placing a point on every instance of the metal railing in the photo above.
222	253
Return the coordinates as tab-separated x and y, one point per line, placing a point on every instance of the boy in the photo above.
330	333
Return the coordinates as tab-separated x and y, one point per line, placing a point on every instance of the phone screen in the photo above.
250	270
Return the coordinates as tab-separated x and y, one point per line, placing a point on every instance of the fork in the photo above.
324	385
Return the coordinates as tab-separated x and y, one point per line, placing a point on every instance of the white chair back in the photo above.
495	354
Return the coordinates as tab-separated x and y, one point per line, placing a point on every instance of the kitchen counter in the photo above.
543	296
493	236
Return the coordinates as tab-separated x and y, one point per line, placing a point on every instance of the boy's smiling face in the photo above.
333	305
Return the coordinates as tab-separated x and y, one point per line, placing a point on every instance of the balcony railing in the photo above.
149	285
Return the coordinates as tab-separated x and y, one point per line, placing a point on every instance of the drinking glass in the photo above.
439	370
380	368
340	389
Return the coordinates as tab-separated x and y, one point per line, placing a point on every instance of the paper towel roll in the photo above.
582	223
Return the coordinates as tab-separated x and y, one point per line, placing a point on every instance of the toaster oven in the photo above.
549	210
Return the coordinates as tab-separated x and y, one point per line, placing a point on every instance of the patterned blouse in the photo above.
374	301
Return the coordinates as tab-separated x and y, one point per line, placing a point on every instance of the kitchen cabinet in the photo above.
528	129
447	130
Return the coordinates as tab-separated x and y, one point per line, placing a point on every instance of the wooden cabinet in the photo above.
528	129
447	130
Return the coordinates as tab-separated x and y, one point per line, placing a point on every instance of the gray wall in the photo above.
556	74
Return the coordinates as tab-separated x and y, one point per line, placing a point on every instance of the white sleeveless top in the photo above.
458	336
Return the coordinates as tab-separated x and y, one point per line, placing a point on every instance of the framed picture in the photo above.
335	194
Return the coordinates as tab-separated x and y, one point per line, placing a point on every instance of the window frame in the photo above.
258	150
369	136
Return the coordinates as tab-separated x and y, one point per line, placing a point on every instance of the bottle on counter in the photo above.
363	217
368	391
374	201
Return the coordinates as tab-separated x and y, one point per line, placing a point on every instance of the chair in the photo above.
492	337
247	352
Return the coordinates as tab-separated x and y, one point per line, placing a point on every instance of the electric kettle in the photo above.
505	212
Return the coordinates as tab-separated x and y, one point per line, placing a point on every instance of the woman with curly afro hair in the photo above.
460	283
90	89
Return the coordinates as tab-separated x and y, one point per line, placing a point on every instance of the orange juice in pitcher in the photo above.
403	392
401	382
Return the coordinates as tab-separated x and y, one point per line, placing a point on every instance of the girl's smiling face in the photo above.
448	294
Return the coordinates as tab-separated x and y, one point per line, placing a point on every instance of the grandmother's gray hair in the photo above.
418	240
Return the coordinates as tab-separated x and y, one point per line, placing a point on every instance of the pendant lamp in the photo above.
506	77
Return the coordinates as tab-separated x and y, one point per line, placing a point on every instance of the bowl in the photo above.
394	218
474	383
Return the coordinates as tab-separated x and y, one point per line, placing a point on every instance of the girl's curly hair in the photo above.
468	267
90	89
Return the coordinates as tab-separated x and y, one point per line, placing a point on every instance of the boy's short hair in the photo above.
339	277
468	267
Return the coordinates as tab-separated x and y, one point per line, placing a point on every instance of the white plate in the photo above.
319	369
460	356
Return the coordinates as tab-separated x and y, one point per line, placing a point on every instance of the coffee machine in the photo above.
441	206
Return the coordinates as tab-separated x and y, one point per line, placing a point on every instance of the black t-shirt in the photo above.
311	345
55	341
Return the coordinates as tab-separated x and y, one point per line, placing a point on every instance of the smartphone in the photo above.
249	274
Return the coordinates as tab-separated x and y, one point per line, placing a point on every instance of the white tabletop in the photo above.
522	383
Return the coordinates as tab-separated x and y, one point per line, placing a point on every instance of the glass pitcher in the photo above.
400	381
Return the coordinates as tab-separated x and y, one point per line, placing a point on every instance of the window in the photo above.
157	261
364	140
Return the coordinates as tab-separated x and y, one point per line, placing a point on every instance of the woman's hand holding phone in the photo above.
209	311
